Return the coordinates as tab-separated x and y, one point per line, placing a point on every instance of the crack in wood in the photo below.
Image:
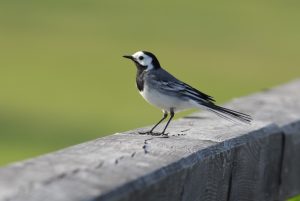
229	185
281	160
118	159
133	154
146	145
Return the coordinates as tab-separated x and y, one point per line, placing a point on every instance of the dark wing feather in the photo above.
168	83
192	92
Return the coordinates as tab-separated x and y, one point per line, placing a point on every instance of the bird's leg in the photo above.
151	131
171	117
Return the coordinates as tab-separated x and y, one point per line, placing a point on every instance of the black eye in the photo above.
141	58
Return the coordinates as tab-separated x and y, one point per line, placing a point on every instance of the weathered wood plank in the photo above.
256	170
205	158
281	105
290	175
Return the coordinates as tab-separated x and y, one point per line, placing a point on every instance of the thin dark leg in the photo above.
171	117
164	117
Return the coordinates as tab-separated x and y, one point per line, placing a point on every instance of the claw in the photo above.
164	135
144	133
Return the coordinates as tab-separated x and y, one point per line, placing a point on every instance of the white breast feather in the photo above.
163	101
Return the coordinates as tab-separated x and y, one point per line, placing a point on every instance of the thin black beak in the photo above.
128	57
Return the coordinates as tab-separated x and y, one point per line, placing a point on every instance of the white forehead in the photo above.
138	54
143	59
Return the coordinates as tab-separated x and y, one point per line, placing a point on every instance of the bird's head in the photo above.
144	60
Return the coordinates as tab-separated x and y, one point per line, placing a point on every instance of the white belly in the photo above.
164	101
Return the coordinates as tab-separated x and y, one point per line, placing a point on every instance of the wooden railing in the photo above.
204	159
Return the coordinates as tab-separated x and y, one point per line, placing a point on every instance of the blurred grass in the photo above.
63	80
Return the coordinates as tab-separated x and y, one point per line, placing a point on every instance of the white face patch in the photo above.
143	59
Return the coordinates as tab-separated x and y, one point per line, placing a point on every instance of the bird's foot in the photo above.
164	135
145	133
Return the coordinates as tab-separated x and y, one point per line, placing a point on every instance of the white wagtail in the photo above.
171	95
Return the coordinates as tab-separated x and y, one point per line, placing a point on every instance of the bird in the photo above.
161	89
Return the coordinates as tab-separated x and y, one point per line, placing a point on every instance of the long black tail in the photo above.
229	114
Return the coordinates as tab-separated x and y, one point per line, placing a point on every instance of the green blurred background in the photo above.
63	80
